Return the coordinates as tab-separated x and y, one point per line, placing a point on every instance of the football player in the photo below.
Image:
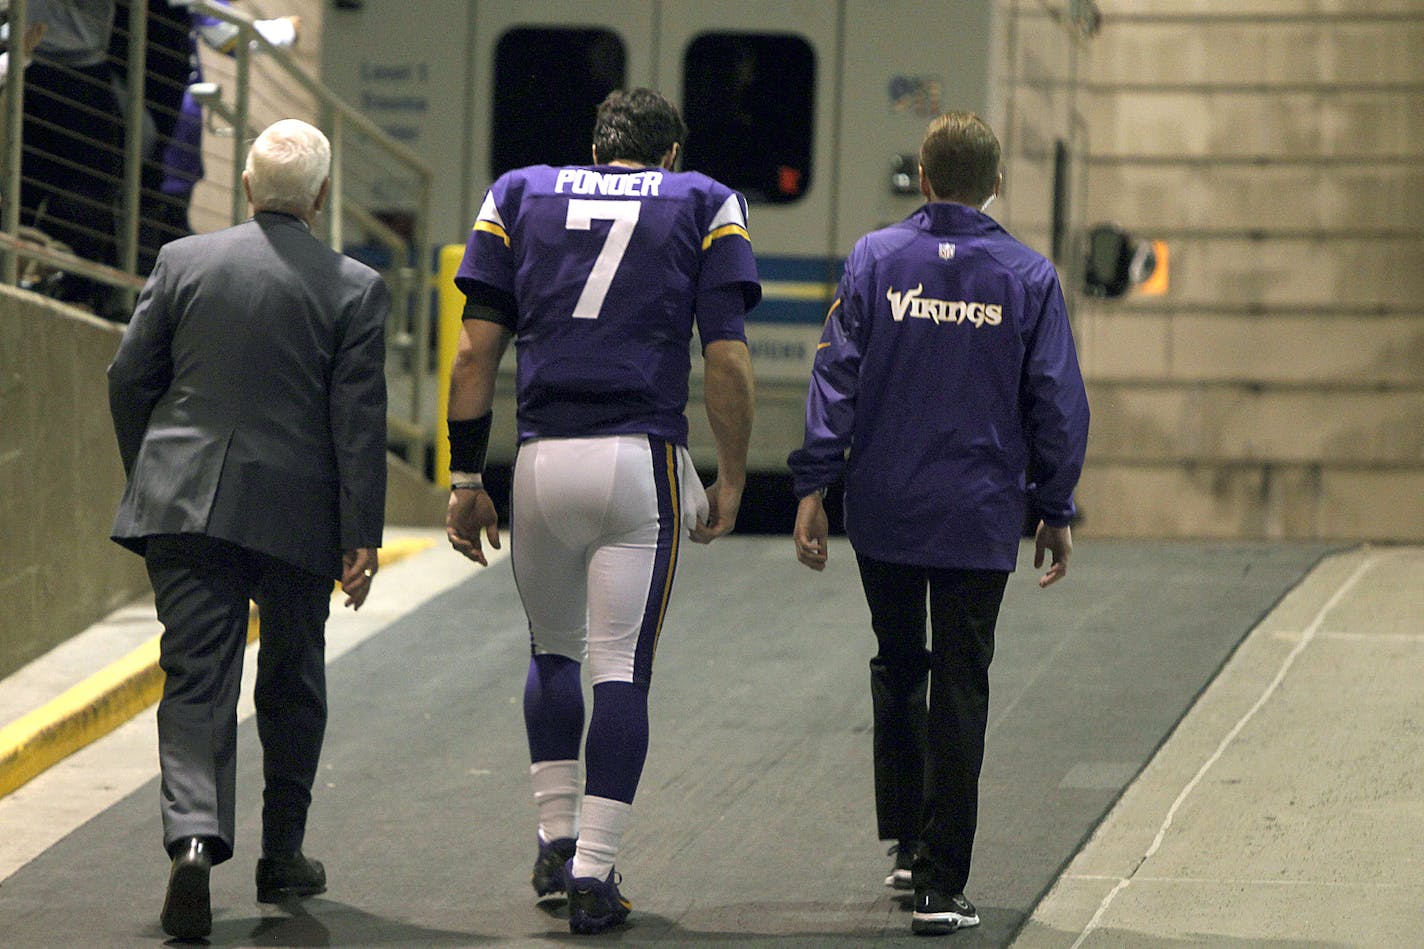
599	274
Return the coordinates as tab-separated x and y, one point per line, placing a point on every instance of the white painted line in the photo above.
1372	638
1234	881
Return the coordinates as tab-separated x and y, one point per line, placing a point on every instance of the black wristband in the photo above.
469	442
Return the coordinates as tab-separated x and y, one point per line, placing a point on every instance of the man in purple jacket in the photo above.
947	371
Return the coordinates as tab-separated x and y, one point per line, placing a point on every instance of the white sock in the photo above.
603	823
556	797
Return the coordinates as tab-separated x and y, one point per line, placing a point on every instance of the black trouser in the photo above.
201	588
928	758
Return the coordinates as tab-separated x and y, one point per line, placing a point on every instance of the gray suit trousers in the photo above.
202	586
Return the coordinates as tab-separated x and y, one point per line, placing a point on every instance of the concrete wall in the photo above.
61	479
1277	389
60	474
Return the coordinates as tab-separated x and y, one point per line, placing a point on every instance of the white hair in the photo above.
286	167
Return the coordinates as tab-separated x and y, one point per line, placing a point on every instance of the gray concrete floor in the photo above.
1286	810
754	822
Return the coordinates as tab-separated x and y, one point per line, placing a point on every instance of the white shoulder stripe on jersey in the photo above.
729	213
490	213
729	220
489	220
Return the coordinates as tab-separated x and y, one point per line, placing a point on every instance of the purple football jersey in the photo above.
605	265
947	370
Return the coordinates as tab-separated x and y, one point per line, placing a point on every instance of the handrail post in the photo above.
14	144
335	234
421	308
133	141
243	55
411	278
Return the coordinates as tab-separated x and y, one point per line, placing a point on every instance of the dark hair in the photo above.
638	125
960	156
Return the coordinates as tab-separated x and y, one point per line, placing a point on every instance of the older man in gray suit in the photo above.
248	397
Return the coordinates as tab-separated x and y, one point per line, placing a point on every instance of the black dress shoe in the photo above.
289	877
187	912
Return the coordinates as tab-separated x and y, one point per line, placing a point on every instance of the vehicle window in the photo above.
548	83
749	101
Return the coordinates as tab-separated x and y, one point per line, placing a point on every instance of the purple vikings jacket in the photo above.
606	269
947	370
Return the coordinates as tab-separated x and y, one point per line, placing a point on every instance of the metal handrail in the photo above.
410	276
17	246
133	142
338	117
14	120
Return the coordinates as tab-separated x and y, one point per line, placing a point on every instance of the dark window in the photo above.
547	87
750	104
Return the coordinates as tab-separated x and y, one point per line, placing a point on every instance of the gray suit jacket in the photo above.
249	396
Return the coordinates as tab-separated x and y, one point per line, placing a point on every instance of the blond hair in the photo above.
960	158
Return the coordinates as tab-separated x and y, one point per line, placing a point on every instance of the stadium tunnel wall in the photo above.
61	479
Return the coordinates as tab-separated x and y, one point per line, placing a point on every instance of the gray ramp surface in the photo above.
754	823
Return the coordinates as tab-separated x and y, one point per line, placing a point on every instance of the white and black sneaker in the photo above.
937	914
900	877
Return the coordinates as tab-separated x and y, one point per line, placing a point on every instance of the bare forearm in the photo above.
473	374
729	394
471	391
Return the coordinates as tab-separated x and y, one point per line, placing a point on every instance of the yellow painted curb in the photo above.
104	701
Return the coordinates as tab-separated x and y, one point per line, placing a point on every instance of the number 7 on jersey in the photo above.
624	215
